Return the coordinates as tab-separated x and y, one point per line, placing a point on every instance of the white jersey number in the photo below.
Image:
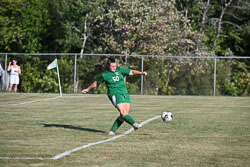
116	78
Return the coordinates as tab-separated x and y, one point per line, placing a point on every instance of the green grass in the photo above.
206	131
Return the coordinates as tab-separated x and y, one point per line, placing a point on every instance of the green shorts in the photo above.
119	98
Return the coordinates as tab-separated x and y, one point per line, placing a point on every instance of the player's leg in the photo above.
117	123
122	103
124	109
119	120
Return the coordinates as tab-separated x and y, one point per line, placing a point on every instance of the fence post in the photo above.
5	64
214	75
142	60
6	69
75	84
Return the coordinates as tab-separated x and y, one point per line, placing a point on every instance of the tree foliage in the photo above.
224	22
23	25
149	27
155	28
139	27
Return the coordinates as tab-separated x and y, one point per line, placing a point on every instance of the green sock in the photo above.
129	119
116	125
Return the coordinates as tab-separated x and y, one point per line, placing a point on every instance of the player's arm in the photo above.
135	72
93	85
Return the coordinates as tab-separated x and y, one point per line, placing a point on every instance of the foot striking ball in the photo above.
167	116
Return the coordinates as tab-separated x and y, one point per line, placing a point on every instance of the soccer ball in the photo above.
167	116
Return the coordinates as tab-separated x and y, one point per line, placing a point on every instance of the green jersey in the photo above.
115	80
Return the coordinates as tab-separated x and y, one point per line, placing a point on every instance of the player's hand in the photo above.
85	91
144	73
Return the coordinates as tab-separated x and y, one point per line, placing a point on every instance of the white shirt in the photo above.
14	71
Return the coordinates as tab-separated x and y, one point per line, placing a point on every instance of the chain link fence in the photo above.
167	75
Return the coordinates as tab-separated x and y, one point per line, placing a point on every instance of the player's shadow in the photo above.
73	127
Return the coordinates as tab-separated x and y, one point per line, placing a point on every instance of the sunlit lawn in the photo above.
206	131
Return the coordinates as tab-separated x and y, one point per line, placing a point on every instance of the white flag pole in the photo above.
60	88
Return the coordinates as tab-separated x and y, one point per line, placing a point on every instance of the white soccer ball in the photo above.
167	116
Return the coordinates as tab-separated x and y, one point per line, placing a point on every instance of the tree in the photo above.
146	27
224	22
152	28
23	25
226	25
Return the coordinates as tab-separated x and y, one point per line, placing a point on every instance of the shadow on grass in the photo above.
73	127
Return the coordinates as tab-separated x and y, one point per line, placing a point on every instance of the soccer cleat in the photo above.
111	133
136	126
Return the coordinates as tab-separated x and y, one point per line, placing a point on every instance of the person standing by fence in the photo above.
15	71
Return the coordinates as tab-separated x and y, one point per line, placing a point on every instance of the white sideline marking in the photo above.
33	101
83	146
102	141
24	158
82	96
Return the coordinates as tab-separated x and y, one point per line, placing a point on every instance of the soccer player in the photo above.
113	77
15	71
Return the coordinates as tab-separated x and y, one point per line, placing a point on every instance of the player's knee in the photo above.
121	117
124	113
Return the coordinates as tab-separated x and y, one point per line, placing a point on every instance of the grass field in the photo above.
206	131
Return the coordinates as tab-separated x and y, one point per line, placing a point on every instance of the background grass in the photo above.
206	131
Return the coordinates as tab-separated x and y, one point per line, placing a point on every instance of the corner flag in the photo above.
52	65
